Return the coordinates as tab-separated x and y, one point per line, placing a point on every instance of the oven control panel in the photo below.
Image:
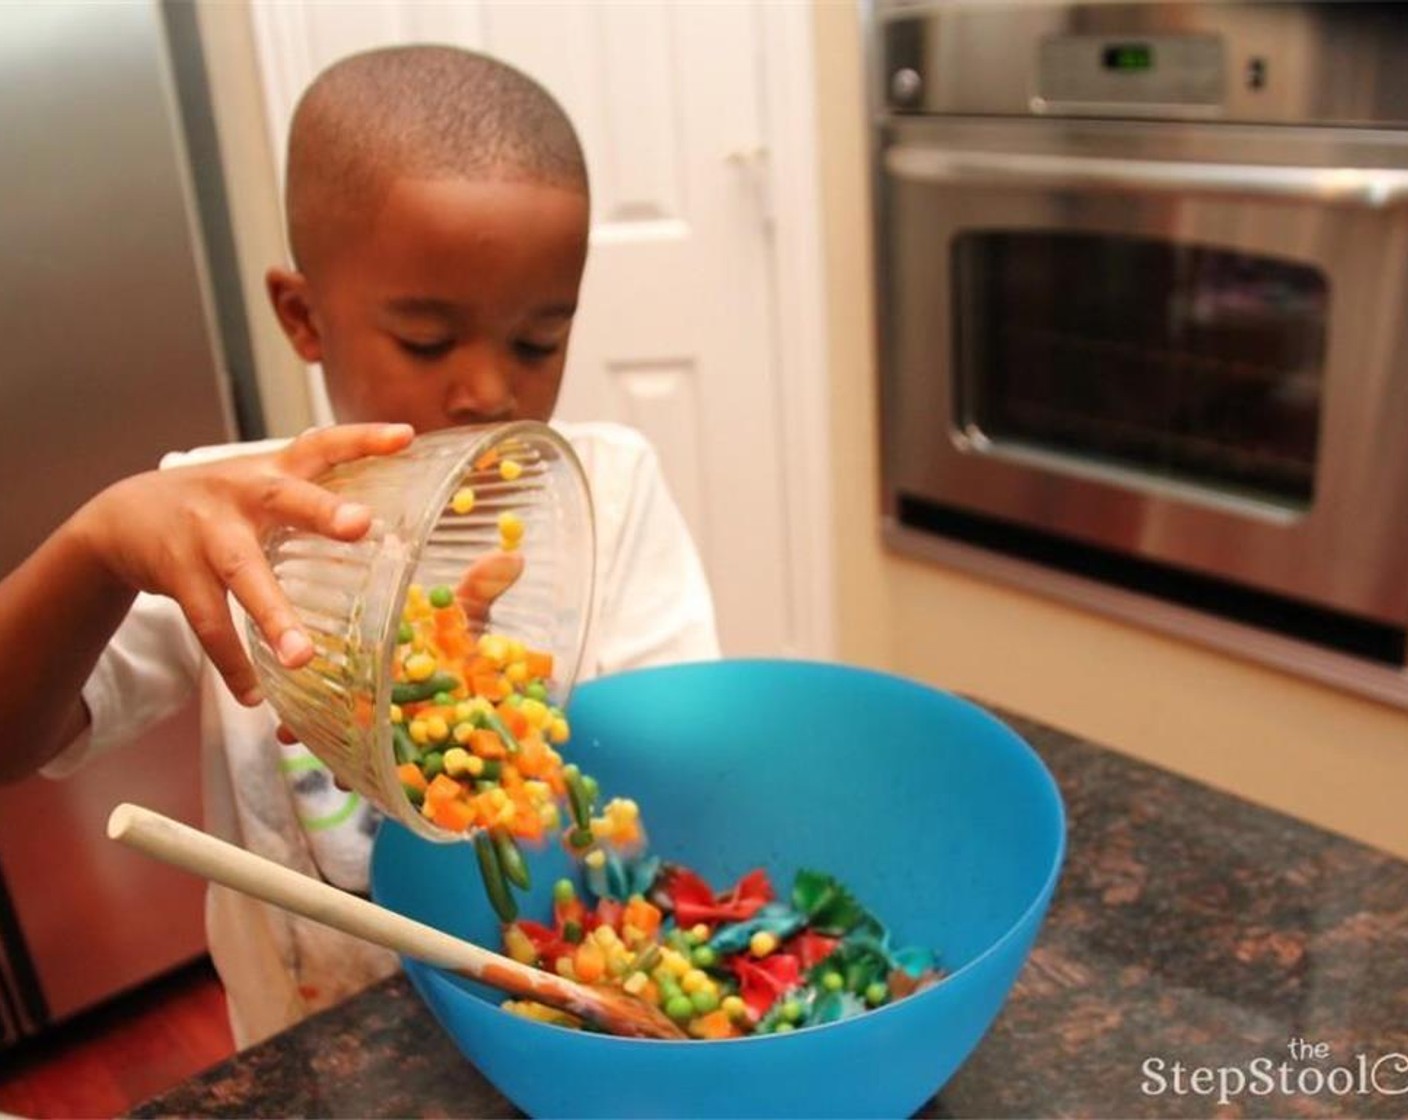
1093	70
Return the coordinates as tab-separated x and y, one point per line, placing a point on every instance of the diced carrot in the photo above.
716	1024
532	759
644	915
410	775
514	720
443	788
488	459
539	664
457	816
491	686
451	633
486	743
589	962
362	710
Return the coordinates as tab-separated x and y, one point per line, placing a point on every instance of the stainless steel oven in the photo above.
1143	289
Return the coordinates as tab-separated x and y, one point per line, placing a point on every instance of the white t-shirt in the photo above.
652	606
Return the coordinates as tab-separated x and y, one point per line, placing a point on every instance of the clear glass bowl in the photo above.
350	596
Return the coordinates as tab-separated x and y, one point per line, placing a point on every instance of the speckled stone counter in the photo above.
1194	940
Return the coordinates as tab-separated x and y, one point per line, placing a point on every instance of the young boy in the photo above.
438	214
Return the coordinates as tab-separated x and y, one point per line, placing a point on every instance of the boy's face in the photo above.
452	306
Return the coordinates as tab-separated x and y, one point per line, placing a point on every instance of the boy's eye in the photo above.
420	349
534	351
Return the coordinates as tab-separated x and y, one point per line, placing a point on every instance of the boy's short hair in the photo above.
417	112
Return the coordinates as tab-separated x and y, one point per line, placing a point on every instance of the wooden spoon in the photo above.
613	1010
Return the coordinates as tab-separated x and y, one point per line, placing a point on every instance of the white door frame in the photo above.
800	316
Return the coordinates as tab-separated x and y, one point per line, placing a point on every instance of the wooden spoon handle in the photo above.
241	870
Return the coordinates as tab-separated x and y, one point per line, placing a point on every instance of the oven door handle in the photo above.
1379	188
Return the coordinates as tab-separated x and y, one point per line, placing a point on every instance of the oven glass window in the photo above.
1188	363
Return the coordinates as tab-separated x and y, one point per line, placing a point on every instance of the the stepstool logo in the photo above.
1309	1071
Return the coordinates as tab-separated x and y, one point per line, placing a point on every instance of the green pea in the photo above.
790	1011
704	957
832	981
514	700
704	1001
876	993
405	632
537	691
443	699
432	765
563	891
679	1008
441	596
414	794
784	1026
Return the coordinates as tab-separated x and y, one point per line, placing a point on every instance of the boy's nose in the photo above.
479	390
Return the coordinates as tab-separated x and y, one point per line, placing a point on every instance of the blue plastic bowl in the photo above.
939	817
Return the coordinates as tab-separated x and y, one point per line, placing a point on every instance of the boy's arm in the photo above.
193	534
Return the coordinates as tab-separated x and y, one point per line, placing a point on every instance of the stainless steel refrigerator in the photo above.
121	337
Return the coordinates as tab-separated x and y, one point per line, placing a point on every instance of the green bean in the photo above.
402	743
578	798
511	860
495	886
496	725
409	692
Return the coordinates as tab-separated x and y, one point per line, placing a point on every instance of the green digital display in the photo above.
1129	58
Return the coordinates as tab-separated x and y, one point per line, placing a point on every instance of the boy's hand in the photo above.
194	534
484	581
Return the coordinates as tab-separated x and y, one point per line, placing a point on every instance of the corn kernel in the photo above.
420	666
762	943
519	947
694	980
700	932
396	714
632	935
636	982
734	1007
457	761
494	647
595	859
437	729
510	470
534	711
549	815
464	710
462	732
674	963
463	501
418	731
517	672
558	731
510	530
605	936
565	969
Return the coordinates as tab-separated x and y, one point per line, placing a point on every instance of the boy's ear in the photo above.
288	293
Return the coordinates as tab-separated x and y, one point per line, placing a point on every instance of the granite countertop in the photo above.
1189	927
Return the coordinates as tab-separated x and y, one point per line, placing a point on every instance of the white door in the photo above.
677	333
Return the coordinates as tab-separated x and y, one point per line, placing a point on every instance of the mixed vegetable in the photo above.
722	966
478	749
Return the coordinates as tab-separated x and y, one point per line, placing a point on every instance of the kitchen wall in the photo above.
1335	760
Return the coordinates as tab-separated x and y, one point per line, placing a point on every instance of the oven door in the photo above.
1184	345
